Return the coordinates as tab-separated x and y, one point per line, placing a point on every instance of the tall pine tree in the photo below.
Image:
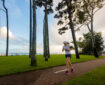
7	23
33	35
47	4
66	11
89	8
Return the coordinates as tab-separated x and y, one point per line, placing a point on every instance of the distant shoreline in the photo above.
14	54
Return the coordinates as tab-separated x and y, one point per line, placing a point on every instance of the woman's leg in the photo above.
70	63
67	65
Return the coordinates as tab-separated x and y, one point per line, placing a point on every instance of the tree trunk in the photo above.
93	39
44	53
30	48
74	40
72	28
46	36
44	40
7	34
33	57
7	23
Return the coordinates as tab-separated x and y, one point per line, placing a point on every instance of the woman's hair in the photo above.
65	42
68	43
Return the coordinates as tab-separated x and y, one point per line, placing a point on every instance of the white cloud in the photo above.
56	40
55	37
16	43
3	33
55	3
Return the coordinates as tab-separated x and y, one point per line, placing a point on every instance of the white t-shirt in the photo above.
67	49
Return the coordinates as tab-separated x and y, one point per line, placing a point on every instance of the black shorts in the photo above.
68	55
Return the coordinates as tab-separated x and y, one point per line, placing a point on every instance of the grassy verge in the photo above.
95	77
16	64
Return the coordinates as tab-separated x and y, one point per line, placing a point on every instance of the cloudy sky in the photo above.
19	28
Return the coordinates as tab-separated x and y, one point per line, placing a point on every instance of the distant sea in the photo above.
15	54
2	54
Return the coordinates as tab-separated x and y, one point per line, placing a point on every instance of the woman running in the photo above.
67	50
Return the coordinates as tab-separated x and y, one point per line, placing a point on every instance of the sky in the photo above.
19	28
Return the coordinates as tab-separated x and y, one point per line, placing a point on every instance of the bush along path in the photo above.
51	76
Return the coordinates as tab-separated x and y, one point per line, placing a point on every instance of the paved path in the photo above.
48	76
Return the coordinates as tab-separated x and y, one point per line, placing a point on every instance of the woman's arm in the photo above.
63	49
71	48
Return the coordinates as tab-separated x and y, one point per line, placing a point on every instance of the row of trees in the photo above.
47	4
71	14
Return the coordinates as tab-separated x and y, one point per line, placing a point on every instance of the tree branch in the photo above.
88	27
89	22
98	9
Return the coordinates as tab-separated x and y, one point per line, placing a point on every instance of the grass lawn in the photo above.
17	64
95	77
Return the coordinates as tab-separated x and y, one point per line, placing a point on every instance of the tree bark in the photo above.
7	23
72	28
93	39
7	49
46	36
74	40
33	57
30	48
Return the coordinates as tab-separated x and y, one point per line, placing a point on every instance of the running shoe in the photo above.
72	70
66	72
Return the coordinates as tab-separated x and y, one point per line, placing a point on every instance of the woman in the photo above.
67	50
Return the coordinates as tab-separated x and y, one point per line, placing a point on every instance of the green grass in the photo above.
16	64
95	77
